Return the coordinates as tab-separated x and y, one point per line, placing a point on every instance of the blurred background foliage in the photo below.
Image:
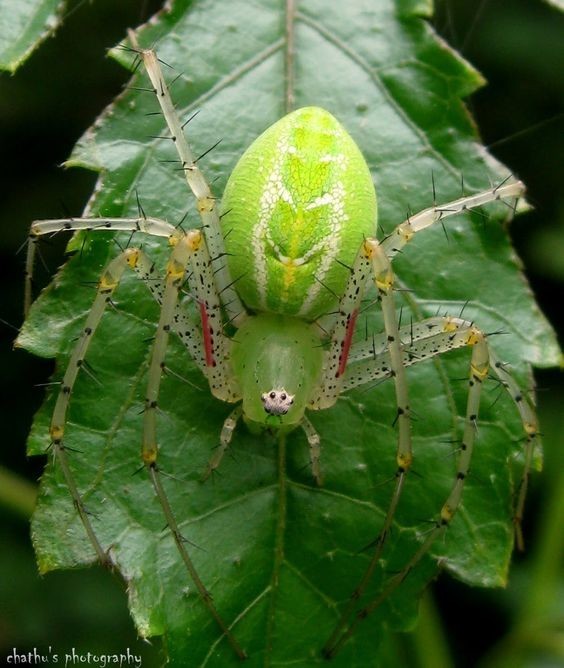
518	45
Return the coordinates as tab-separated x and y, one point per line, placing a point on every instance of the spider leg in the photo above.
207	353
152	226
370	360
314	449
108	283
206	202
479	367
404	232
135	259
191	248
435	336
190	251
371	260
224	440
424	340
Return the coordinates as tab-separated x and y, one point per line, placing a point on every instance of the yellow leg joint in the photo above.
193	240
107	283
174	239
149	455
56	432
531	428
474	337
446	513
369	248
132	257
175	270
480	372
405	231
404	461
384	281
450	325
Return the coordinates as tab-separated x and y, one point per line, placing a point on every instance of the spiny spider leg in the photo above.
404	232
419	341
107	285
372	261
191	248
152	226
530	425
422	341
206	202
479	367
392	245
191	251
190	334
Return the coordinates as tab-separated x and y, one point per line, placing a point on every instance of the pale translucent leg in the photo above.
478	372
422	341
371	260
224	440
190	248
206	202
394	357
405	231
314	443
39	228
111	277
107	285
207	347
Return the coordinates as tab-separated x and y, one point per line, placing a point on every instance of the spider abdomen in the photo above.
297	207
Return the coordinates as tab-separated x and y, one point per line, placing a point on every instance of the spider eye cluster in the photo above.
277	402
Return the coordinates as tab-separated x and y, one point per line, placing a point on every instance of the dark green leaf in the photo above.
23	25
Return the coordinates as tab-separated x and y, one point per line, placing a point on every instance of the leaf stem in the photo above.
278	543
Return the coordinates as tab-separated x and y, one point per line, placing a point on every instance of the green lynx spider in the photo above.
309	241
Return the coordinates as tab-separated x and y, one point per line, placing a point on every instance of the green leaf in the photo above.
280	555
24	24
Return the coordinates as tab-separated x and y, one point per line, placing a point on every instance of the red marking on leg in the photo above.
343	357
208	345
